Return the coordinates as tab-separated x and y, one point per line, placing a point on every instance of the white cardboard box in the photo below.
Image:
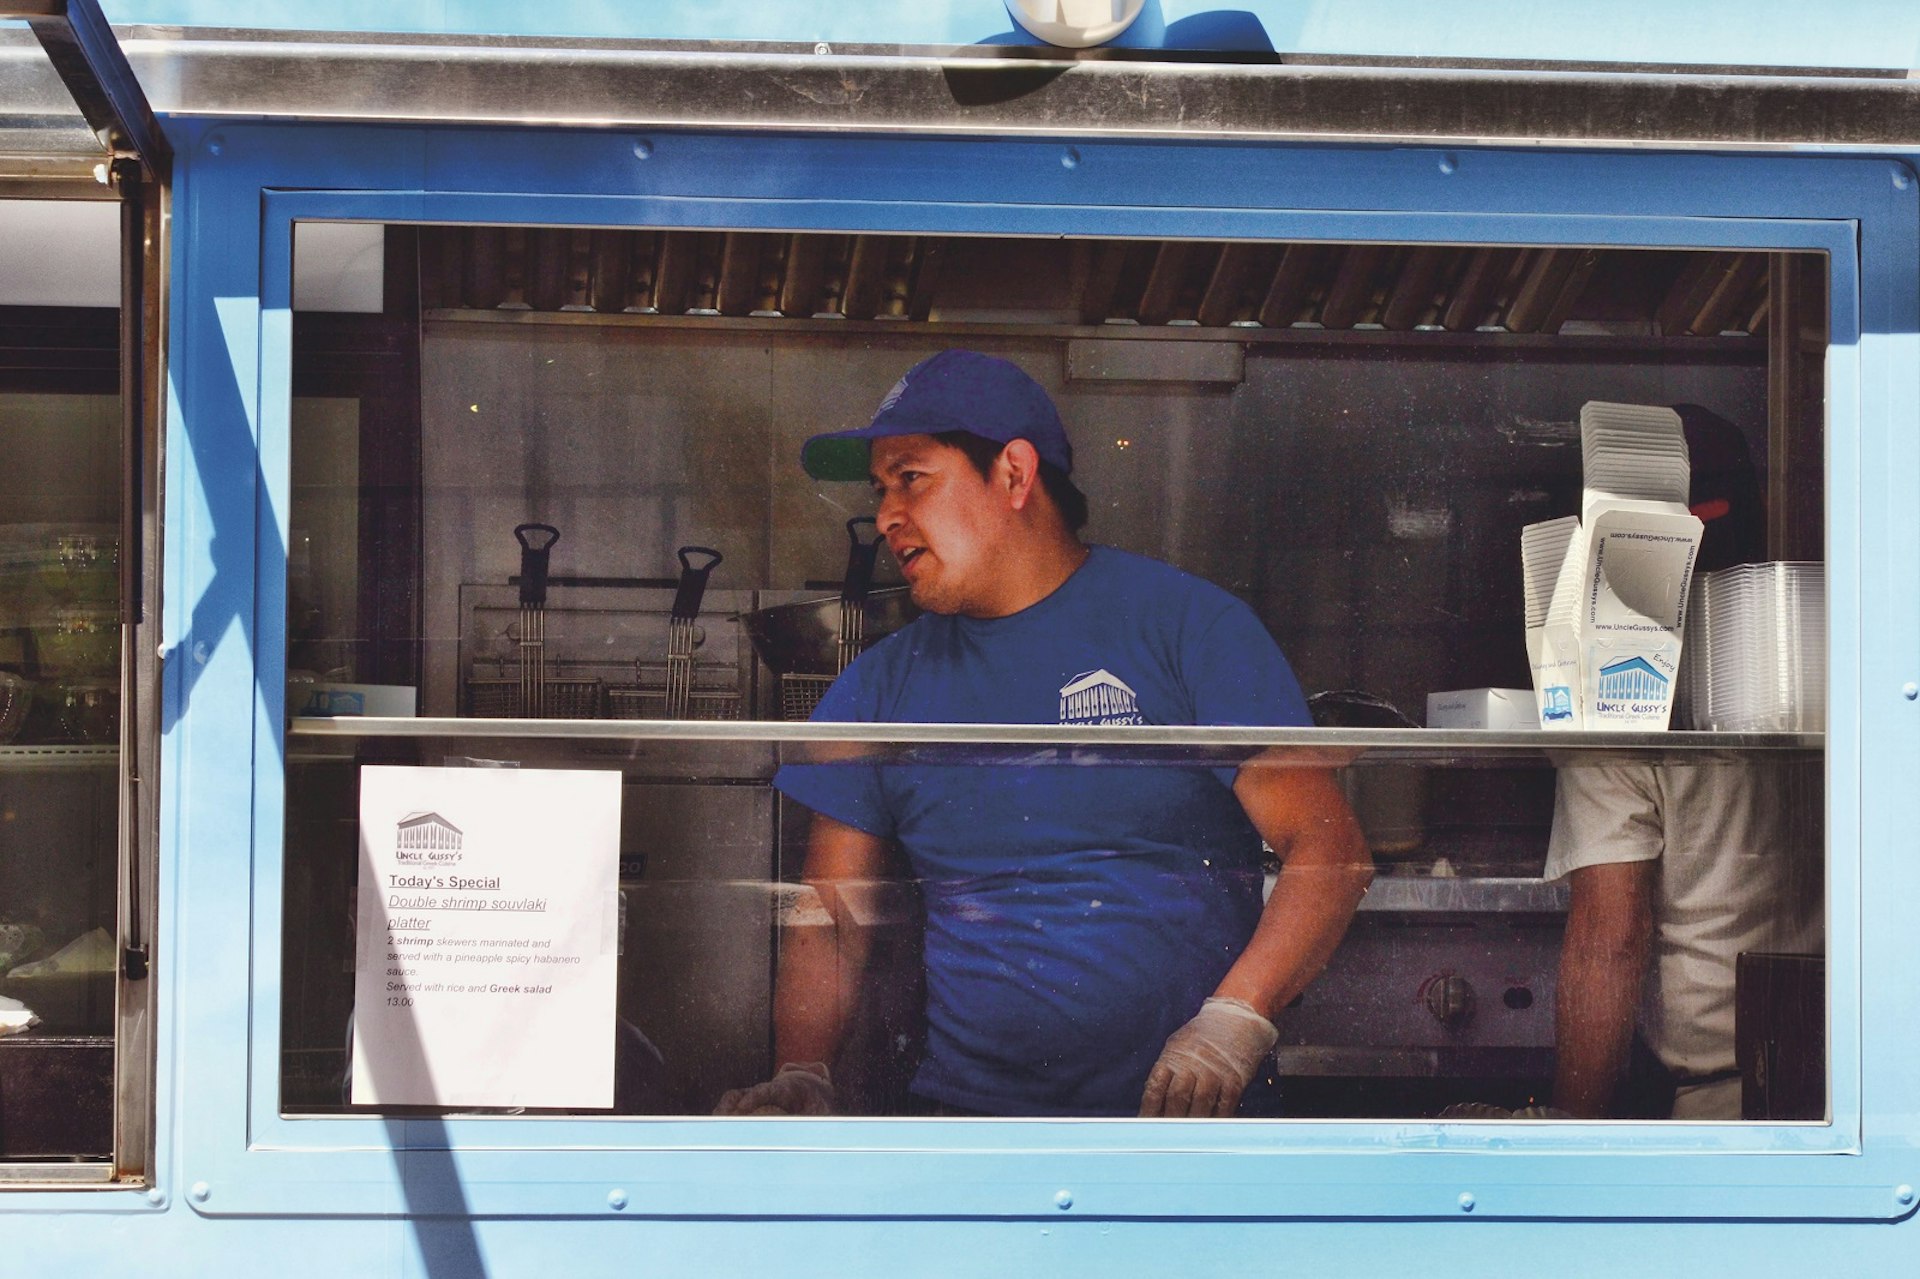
330	700
1495	708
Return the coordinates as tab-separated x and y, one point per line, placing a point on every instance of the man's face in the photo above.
947	526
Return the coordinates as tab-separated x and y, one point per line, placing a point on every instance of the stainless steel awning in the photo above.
1008	91
70	105
43	136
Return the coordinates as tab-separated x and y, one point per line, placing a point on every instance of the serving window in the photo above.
553	563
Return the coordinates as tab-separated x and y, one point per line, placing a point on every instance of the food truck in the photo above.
414	611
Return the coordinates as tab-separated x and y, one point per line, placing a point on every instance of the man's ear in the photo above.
1016	471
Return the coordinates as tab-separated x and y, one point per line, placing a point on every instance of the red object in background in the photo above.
1713	509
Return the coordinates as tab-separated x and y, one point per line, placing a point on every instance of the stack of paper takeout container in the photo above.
1606	592
1756	655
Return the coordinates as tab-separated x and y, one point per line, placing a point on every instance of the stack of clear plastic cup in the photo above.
1756	653
1696	666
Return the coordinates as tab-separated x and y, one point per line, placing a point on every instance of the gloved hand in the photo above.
799	1088
1209	1062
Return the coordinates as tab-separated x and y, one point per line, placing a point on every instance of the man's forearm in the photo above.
823	945
1603	961
1325	869
820	965
1299	930
1593	1017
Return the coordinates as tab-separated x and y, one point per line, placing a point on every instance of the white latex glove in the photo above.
799	1088
1209	1062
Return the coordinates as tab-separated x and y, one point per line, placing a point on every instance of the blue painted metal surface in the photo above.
1860	33
223	749
469	1197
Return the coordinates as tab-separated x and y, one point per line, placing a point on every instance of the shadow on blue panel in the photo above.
215	417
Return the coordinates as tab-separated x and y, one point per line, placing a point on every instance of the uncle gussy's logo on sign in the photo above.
427	839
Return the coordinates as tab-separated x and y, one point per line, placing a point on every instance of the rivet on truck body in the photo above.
1903	1195
1467	1201
1063	1200
616	1199
156	1196
201	1192
1070	158
1911	690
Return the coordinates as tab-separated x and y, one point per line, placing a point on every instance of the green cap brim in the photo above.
828	457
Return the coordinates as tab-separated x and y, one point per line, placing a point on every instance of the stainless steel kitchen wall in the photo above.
1350	494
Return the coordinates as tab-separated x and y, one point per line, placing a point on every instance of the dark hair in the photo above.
1725	490
1069	500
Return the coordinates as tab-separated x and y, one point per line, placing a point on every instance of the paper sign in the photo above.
487	937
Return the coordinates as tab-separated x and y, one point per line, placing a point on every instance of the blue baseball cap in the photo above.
953	391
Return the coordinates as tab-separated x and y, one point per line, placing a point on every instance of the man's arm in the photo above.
820	974
1603	960
819	980
1325	868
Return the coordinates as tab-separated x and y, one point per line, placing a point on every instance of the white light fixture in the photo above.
1075	24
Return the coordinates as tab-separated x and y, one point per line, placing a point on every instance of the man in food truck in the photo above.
1096	943
1674	870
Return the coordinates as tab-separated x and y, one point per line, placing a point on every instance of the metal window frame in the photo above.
224	628
132	169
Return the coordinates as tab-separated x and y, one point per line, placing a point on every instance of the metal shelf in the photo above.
1438	894
979	743
15	758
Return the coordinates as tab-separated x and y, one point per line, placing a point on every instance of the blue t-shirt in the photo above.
1076	915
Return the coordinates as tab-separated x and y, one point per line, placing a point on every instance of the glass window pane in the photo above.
60	694
1307	469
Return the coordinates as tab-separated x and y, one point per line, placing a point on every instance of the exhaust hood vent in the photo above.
1398	288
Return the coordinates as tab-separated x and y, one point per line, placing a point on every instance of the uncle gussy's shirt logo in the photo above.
1099	697
427	839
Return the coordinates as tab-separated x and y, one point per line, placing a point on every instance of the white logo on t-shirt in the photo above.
1099	697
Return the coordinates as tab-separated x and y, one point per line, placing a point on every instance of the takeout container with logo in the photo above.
1607	591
